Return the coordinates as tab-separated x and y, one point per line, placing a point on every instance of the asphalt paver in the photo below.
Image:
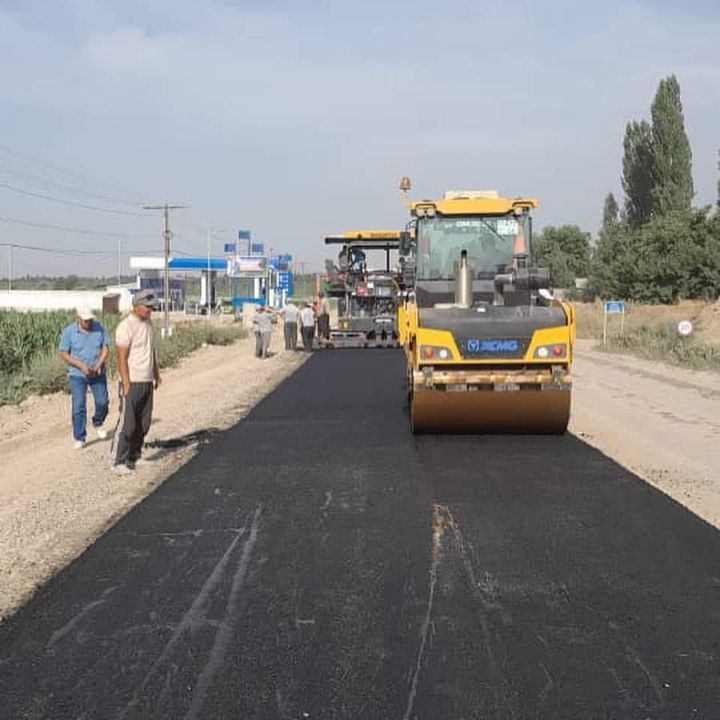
319	561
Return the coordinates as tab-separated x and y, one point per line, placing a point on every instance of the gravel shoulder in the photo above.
55	501
661	422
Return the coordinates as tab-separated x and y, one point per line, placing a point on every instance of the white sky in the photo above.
296	119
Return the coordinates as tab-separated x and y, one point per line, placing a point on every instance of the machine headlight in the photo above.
435	352
558	351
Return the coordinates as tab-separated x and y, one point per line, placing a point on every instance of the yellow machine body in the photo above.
481	367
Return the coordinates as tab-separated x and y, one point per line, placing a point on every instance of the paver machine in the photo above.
488	347
367	298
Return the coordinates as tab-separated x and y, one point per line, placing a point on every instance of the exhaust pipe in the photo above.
463	283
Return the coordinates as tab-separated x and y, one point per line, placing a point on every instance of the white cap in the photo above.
85	313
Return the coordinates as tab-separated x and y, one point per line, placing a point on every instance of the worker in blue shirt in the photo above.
84	346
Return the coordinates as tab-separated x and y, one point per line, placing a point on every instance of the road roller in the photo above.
488	346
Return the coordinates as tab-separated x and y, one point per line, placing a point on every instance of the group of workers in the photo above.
305	318
85	348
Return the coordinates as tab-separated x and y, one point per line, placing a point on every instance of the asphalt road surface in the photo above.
318	561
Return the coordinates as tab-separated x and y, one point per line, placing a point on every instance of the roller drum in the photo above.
522	412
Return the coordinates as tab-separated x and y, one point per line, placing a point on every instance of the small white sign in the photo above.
685	327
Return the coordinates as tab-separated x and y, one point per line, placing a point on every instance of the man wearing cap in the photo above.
262	326
139	377
84	346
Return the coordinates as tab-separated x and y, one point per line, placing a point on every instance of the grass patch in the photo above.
663	343
44	372
589	317
651	332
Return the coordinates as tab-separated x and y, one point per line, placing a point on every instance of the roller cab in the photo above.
488	348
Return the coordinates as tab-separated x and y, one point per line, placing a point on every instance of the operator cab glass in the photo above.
488	240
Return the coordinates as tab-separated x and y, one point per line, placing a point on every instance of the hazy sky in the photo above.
296	119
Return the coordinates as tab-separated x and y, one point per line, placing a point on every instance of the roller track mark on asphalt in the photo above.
548	687
185	533
328	501
655	684
73	623
438	528
480	590
224	634
190	620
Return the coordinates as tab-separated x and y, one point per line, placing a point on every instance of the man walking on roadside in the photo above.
139	378
290	315
262	325
307	324
84	346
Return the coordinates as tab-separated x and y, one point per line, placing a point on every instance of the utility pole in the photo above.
207	279
166	208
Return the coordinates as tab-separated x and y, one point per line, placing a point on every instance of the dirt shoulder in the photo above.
660	421
55	501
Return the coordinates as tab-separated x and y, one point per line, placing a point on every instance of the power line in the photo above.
134	197
74	230
51	198
75	251
64	186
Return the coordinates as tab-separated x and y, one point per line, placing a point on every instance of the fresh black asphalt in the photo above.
318	561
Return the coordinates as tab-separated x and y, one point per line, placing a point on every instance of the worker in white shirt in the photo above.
290	315
307	324
262	325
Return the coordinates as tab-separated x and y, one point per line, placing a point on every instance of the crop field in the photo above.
29	361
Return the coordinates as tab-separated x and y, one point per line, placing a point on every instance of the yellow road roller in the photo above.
488	347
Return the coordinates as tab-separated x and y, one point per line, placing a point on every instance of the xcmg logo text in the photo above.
493	346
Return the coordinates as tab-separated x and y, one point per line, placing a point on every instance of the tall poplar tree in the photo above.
672	157
638	174
611	215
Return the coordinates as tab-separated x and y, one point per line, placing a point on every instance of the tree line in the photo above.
656	247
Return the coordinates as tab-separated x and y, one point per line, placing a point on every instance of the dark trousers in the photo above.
133	423
290	335
78	391
308	333
323	323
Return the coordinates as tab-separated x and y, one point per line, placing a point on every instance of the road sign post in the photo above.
613	307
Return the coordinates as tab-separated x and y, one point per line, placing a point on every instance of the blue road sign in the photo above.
230	248
243	234
614	307
257	249
285	282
